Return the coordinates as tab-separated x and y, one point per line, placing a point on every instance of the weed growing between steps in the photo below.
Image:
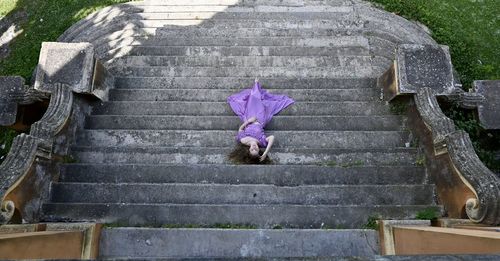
427	214
67	159
420	160
372	223
470	29
399	107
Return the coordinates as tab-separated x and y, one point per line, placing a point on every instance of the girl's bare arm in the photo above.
270	141
242	127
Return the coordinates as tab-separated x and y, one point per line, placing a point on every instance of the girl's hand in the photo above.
263	157
253	119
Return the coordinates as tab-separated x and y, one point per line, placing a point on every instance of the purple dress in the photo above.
260	104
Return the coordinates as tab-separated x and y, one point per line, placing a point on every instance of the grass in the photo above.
371	223
427	214
47	20
472	31
470	28
6	6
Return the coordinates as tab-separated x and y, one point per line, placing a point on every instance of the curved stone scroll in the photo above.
56	115
26	149
484	208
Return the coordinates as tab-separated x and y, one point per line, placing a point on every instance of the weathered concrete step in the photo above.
363	70
229	25
198	51
195	31
222	109
247	41
208	16
241	61
165	24
258	194
235	243
222	138
242	82
279	175
220	95
165	21
231	123
133	11
218	155
133	31
262	216
247	2
261	8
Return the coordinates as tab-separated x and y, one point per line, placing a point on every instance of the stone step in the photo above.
247	2
242	82
218	155
258	8
198	31
128	243
360	70
222	109
233	24
342	41
261	216
202	51
106	16
227	25
223	138
259	194
279	175
211	16
135	31
241	61
220	95
232	123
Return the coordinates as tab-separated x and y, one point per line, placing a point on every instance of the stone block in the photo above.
489	110
10	87
72	64
419	66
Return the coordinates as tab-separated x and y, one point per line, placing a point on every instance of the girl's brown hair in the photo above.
241	155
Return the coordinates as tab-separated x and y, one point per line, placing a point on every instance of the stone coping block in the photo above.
9	87
489	110
416	67
65	63
386	232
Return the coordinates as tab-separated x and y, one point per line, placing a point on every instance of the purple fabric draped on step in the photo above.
257	102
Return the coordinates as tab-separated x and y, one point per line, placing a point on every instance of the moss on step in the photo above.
427	214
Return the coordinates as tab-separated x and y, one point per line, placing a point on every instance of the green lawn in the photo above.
47	20
471	28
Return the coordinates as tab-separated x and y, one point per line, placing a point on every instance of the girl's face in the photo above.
254	149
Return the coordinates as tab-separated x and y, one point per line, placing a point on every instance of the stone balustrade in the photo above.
64	70
465	185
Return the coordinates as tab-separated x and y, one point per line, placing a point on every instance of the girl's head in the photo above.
243	154
254	150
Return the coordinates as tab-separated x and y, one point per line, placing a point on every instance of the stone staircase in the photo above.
155	154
